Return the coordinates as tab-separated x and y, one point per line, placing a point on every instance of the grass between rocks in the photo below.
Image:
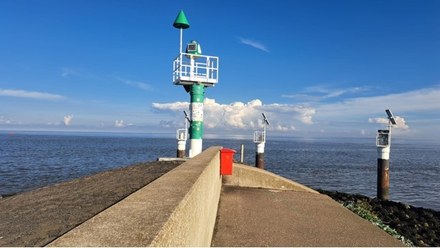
414	226
365	211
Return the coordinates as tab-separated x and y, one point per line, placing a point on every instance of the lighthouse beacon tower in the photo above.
194	72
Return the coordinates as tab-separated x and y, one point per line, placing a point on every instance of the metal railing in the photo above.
190	68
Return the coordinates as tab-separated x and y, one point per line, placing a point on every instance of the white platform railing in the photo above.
189	69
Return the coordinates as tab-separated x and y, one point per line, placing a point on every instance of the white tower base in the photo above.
181	145
383	152
260	147
196	147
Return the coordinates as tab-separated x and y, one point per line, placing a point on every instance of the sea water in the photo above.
32	160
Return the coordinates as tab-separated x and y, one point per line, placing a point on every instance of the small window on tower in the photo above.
191	48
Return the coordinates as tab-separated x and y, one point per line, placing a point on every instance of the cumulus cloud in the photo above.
119	123
30	94
67	120
252	43
400	122
240	115
346	117
299	112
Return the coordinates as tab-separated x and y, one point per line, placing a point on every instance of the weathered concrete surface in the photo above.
37	217
265	217
178	209
248	176
192	222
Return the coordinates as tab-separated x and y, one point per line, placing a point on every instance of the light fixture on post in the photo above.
383	144
182	136
260	141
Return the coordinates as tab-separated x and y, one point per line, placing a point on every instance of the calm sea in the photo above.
28	161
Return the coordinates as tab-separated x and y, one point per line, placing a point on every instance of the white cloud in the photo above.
136	84
239	115
319	93
66	72
175	106
168	124
378	120
332	92
400	122
302	113
254	44
416	114
302	97
80	73
67	120
412	101
30	94
119	123
344	118
4	120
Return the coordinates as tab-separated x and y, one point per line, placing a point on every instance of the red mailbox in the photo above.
226	161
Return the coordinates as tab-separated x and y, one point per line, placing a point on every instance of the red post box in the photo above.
226	161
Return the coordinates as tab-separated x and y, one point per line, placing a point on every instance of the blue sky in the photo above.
316	68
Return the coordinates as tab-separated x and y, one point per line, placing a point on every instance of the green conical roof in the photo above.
181	21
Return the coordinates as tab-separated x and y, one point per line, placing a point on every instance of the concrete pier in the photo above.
192	205
177	209
267	217
37	217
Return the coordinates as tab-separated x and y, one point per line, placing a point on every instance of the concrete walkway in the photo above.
37	217
265	217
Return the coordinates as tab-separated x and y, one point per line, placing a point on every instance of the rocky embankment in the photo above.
415	226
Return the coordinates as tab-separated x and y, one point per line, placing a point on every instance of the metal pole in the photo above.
242	153
383	179
196	129
181	38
